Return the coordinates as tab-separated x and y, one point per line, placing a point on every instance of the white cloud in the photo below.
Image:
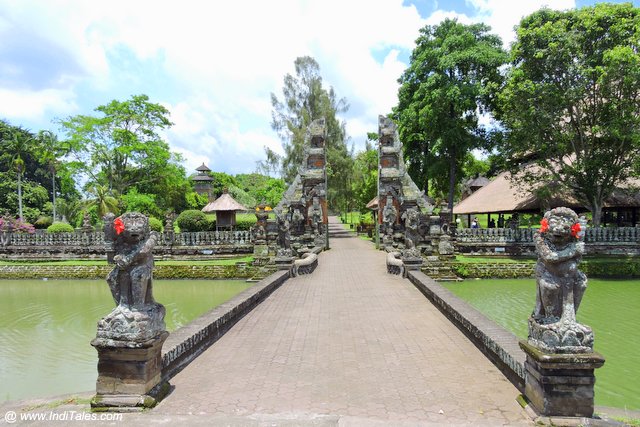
503	16
220	61
18	104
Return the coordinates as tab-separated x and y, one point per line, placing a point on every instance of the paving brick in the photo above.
349	341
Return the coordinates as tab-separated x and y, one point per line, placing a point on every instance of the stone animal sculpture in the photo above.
560	285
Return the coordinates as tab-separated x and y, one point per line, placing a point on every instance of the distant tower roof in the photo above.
477	183
203	168
203	174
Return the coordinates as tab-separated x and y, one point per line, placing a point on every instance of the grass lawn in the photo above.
501	260
356	218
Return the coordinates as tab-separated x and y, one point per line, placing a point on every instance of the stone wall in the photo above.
35	271
601	268
495	270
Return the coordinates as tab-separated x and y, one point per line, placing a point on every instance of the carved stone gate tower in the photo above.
302	212
402	206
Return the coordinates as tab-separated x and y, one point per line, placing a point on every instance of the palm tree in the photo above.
69	209
103	199
49	154
17	145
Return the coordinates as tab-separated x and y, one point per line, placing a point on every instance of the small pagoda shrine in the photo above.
203	182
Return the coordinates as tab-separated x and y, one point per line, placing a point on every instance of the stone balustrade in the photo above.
81	238
91	244
525	235
519	241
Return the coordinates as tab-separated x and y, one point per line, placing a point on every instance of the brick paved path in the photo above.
348	342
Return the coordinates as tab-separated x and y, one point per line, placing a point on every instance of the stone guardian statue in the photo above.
560	285
129	339
137	317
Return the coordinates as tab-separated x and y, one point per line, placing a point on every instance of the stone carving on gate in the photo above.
560	285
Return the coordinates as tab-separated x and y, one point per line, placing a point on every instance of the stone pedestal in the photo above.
284	262
560	385
412	263
129	374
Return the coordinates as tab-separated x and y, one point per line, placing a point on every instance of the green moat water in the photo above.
610	307
46	327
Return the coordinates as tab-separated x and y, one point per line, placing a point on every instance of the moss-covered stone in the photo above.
34	271
614	268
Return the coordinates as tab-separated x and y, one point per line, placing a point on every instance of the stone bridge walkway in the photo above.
346	345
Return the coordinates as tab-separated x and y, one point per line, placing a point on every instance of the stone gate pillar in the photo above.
303	209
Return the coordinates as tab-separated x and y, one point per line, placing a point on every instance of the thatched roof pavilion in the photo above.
502	195
225	208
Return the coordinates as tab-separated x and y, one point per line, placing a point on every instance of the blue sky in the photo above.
214	64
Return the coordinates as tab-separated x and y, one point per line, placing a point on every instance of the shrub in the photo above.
245	224
16	226
43	222
192	220
60	227
155	224
30	214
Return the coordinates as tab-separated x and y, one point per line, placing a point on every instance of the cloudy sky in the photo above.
214	64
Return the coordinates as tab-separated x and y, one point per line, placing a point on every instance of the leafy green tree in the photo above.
261	188
364	183
571	102
196	201
140	202
305	100
442	94
121	147
222	181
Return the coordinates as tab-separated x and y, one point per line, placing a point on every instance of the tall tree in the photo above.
22	149
442	95
364	183
122	146
50	150
272	165
571	102
18	144
305	100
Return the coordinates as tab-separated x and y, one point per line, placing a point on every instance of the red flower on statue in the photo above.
575	229
118	225
544	225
